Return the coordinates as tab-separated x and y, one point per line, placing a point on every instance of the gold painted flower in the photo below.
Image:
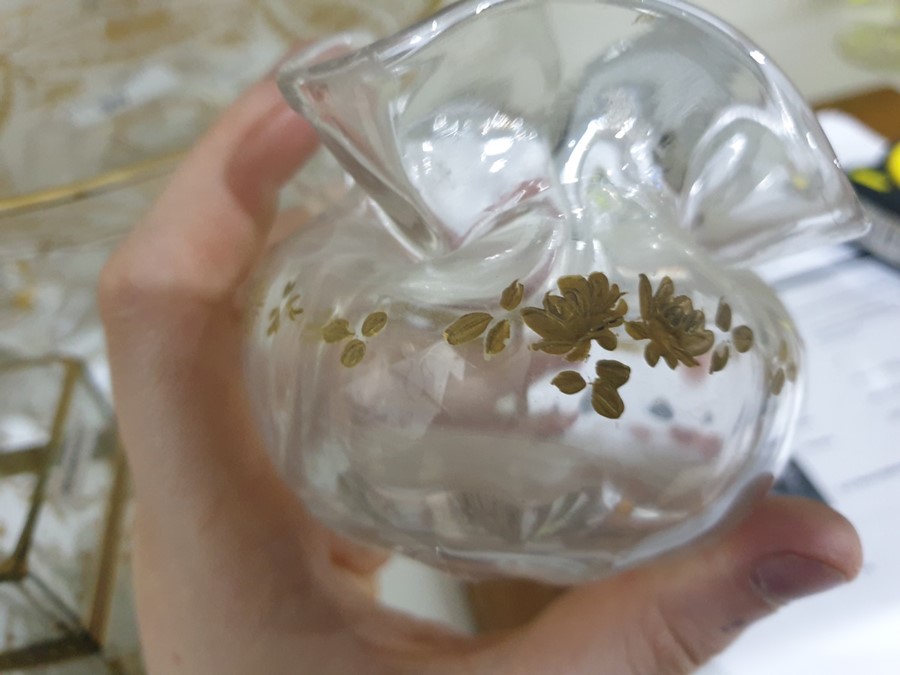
587	311
677	332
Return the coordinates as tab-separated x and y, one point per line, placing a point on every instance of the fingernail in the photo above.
782	578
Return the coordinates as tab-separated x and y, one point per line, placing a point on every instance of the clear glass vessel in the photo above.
528	341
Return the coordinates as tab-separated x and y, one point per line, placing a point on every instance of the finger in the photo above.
210	224
218	535
673	616
355	557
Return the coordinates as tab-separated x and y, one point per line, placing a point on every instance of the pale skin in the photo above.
234	576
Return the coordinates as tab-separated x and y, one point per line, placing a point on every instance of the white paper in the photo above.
856	145
849	446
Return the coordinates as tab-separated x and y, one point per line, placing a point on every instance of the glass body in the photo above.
527	342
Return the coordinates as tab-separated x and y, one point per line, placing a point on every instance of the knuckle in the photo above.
139	288
116	287
670	651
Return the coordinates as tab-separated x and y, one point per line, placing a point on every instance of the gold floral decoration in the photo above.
470	327
289	308
587	311
338	330
590	309
677	332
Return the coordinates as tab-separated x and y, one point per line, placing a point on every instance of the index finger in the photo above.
210	225
167	297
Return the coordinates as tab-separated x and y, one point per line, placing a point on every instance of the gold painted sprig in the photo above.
783	371
605	398
586	310
338	330
741	339
470	327
289	308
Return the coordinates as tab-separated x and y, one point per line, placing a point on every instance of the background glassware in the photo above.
872	36
63	495
97	102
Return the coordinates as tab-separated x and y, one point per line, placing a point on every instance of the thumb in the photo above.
674	615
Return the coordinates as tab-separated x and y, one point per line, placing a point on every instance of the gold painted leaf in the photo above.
353	353
637	330
577	285
467	328
374	324
580	353
742	336
274	322
337	331
723	316
606	401
556	348
645	291
784	351
600	285
512	296
497	338
665	292
698	343
778	382
652	355
569	382
695	321
613	373
547	326
608	340
719	359
559	307
288	288
672	361
790	370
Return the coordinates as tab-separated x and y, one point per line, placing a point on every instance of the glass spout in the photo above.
442	125
608	111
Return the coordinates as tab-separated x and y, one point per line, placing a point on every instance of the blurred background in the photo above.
98	100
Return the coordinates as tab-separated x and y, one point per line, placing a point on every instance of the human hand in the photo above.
233	575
